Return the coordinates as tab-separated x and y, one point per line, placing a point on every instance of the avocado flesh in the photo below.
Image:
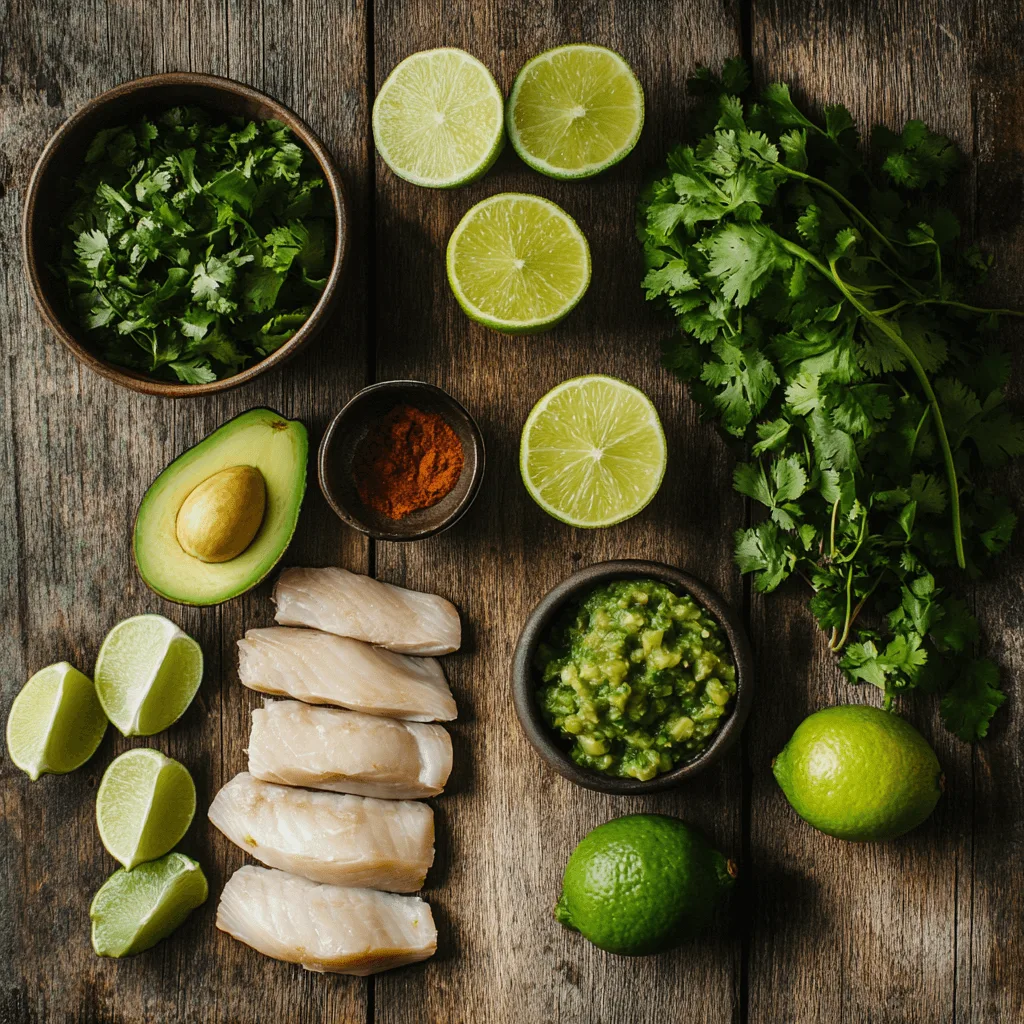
278	448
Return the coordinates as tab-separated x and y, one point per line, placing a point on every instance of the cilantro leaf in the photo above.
972	700
762	550
741	258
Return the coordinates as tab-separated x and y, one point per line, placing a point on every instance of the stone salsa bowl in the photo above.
552	748
63	156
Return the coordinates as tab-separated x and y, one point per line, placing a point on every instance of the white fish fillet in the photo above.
296	744
342	602
325	927
321	668
328	837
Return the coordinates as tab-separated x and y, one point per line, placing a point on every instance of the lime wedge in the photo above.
575	110
56	722
144	806
593	451
136	909
147	673
518	263
438	119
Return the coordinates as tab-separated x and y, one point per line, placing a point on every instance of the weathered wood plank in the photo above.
507	823
79	454
990	982
907	929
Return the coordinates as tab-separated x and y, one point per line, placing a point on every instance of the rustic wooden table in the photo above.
923	929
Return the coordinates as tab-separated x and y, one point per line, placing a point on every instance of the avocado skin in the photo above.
269	544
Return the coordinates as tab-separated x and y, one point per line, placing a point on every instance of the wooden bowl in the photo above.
350	426
63	155
524	677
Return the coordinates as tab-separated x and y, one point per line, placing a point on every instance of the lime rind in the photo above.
134	910
144	806
609	81
576	427
147	673
549	271
56	722
859	773
435	108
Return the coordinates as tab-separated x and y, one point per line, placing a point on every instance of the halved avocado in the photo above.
278	448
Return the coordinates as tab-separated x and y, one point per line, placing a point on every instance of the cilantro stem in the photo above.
846	626
836	194
970	309
940	426
917	429
983	310
860	540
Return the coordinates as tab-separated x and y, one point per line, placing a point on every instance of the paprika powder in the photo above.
407	461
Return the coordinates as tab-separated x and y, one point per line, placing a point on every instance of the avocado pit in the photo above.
220	517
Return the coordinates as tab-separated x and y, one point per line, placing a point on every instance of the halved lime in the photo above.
147	673
518	263
56	722
575	110
593	451
144	805
438	119
134	910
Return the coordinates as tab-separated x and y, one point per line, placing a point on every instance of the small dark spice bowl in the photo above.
346	433
51	189
525	679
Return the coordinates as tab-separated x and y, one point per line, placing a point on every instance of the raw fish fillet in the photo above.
348	752
325	927
328	837
342	602
321	668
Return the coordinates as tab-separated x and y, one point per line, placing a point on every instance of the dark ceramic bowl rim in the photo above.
524	685
40	287
340	509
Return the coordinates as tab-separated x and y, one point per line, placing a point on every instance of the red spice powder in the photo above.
408	460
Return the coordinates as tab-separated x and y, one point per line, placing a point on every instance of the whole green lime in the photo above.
642	884
859	773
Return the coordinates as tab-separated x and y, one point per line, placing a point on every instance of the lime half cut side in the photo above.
144	806
134	910
575	111
438	120
518	263
593	451
147	673
56	722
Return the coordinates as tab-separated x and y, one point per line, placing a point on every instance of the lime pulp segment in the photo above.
575	111
56	722
147	672
134	910
438	119
593	451
144	806
518	263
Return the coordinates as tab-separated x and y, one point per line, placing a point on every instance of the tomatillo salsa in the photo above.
637	677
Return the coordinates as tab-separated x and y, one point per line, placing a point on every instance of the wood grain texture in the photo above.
909	929
508	824
78	454
924	929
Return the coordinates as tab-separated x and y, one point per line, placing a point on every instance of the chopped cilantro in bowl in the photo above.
195	244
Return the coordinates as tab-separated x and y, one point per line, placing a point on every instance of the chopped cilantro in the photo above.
195	247
822	319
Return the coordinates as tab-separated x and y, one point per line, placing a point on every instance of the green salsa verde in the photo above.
637	677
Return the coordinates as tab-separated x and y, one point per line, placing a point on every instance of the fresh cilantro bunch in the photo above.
194	246
822	321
